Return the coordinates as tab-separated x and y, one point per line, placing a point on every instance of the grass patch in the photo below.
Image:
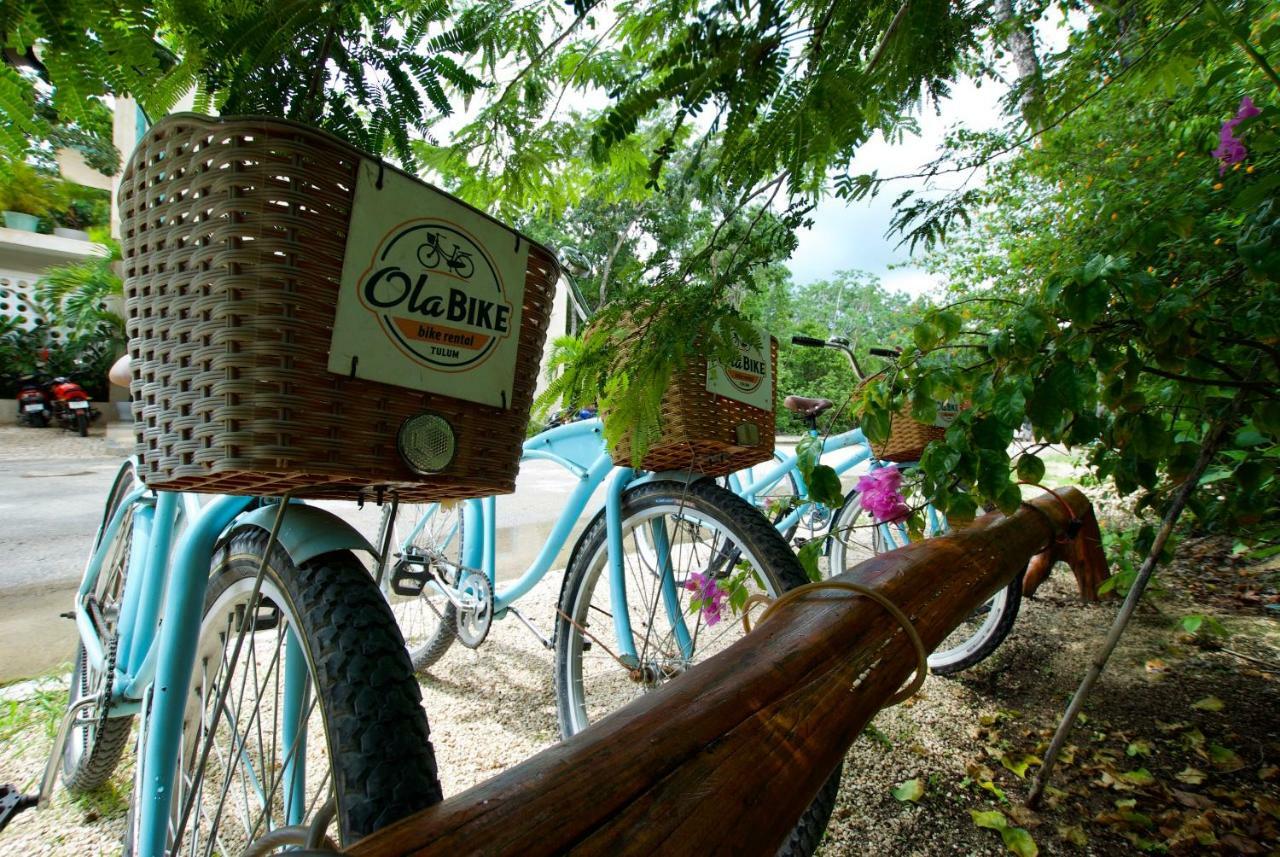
42	711
108	801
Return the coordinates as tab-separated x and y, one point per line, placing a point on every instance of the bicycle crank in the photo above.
475	608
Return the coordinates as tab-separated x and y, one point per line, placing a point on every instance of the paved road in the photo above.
52	486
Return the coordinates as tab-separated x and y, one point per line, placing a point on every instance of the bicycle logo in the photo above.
437	295
458	261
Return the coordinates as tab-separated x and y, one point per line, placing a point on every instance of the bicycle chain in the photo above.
110	668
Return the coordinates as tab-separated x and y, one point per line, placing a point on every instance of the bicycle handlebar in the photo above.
808	342
891	353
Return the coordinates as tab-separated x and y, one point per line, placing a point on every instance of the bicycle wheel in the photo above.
855	537
361	745
423	533
770	499
93	749
709	530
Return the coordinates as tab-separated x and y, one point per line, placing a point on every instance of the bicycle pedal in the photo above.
12	802
409	580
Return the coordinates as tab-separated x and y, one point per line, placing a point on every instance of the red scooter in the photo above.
72	406
33	403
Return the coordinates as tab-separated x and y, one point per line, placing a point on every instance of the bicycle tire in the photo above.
371	723
755	538
411	613
787	486
961	649
93	751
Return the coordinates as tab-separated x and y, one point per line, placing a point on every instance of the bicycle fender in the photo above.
307	531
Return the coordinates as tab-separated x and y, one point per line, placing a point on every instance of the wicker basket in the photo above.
703	432
234	233
907	438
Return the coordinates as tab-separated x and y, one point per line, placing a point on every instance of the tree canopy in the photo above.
1113	282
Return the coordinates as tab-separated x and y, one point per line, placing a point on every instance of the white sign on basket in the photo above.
749	378
947	413
431	292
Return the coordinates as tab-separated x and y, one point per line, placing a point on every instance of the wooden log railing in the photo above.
726	759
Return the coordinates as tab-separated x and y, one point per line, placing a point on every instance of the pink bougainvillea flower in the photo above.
1230	150
879	494
709	593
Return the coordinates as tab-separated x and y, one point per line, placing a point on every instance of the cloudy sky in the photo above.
852	235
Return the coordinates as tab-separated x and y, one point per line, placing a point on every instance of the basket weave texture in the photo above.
907	438
700	428
233	232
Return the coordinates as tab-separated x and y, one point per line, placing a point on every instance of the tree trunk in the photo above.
1019	41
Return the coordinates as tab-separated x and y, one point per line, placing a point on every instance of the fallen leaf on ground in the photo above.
1016	839
1190	776
1140	747
1074	834
1209	703
1139	777
1224	758
911	790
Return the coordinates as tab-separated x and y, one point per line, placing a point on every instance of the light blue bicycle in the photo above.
850	535
623	625
275	703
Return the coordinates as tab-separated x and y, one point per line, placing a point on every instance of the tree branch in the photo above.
1268	390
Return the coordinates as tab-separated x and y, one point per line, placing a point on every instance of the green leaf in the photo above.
990	820
1030	468
1224	758
1209	703
1019	842
824	487
808	556
911	790
1140	777
994	789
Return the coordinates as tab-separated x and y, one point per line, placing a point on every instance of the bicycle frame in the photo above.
578	448
894	535
172	539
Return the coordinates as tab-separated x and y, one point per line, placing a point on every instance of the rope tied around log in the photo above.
1073	524
922	654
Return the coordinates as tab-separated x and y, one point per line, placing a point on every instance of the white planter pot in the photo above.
78	234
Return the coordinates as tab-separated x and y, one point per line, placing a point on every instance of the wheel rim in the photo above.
971	634
242	791
596	682
854	538
424	617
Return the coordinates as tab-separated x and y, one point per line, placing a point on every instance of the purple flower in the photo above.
879	494
708	593
1230	150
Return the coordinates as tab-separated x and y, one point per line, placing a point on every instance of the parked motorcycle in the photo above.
33	403
72	406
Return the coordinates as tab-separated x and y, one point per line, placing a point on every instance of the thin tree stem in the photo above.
1207	450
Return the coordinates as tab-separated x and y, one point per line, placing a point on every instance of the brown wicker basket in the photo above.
234	232
908	437
703	432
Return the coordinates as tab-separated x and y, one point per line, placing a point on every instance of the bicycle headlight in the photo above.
426	443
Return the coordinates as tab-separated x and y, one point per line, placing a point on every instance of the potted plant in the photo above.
25	196
78	208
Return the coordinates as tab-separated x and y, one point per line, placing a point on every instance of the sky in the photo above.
848	235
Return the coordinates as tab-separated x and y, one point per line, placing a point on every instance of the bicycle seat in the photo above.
806	407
